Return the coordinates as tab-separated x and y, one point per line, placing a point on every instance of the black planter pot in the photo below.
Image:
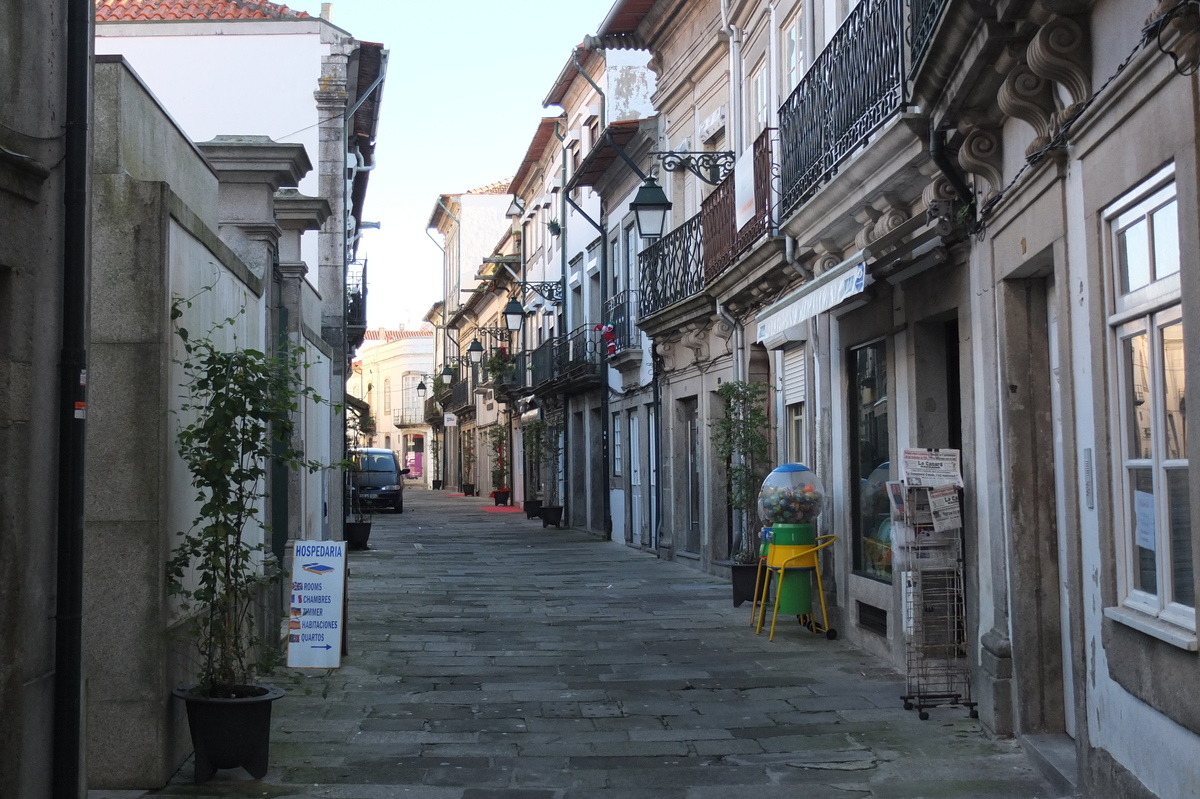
551	514
742	577
533	508
468	489
357	534
437	485
230	733
502	497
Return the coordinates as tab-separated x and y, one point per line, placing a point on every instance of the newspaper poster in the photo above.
895	492
932	467
945	508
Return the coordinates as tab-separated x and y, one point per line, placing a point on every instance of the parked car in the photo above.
376	481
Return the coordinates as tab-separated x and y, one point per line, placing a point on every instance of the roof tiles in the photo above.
171	10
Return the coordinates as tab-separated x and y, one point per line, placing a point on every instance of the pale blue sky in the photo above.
461	102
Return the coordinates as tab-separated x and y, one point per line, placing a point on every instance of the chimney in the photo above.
327	12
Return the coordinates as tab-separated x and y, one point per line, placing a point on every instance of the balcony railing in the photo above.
356	294
621	312
724	241
582	351
855	85
408	417
542	360
433	410
923	20
461	395
672	268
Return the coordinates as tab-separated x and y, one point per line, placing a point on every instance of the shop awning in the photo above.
780	323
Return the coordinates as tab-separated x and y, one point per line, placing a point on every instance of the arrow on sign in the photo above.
327	646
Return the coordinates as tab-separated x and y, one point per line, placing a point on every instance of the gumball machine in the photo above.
789	502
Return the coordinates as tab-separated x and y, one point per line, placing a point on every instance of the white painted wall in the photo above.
233	78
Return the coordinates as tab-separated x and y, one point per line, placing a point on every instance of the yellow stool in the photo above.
781	558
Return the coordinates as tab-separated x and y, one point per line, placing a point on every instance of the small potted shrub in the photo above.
238	418
498	436
468	462
741	440
533	437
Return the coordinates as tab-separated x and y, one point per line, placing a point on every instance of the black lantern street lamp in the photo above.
475	351
514	315
650	208
421	390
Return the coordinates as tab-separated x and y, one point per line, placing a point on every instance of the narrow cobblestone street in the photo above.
493	659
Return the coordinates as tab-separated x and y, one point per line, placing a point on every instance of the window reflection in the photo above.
871	461
1137	384
1174	404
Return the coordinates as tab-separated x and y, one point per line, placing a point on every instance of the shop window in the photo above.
870	461
1153	512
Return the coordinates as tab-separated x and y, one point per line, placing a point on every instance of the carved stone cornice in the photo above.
892	214
1029	97
938	189
1061	52
1186	26
865	217
980	154
828	255
696	340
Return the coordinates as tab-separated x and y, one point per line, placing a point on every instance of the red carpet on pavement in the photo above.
456	495
501	509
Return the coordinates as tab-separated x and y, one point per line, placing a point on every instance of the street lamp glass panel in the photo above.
447	372
514	315
475	351
650	208
421	390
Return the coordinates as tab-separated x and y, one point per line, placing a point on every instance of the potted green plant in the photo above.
468	462
498	438
238	417
533	440
552	510
741	440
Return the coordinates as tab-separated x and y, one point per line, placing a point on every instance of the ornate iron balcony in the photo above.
855	85
923	20
621	312
672	268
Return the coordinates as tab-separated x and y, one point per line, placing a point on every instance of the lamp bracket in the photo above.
550	290
710	166
497	333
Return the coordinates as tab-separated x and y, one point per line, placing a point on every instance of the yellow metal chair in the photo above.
758	595
781	558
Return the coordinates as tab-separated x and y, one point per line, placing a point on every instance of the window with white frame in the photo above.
387	395
793	50
1153	514
759	103
616	444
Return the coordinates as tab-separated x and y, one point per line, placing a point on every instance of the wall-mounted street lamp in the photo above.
650	208
514	315
475	351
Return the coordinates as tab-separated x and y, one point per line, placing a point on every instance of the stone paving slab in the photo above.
493	659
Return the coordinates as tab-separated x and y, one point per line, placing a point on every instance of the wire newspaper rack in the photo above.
928	555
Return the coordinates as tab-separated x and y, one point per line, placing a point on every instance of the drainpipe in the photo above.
735	78
937	153
445	349
603	101
72	397
565	319
604	395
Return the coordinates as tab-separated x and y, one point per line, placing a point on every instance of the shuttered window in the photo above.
795	375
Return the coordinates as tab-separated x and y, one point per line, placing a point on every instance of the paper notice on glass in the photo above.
932	467
944	505
895	491
1143	514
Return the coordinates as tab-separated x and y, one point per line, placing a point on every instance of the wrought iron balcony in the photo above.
542	361
621	312
433	411
461	395
855	85
672	268
356	302
923	19
724	241
408	417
